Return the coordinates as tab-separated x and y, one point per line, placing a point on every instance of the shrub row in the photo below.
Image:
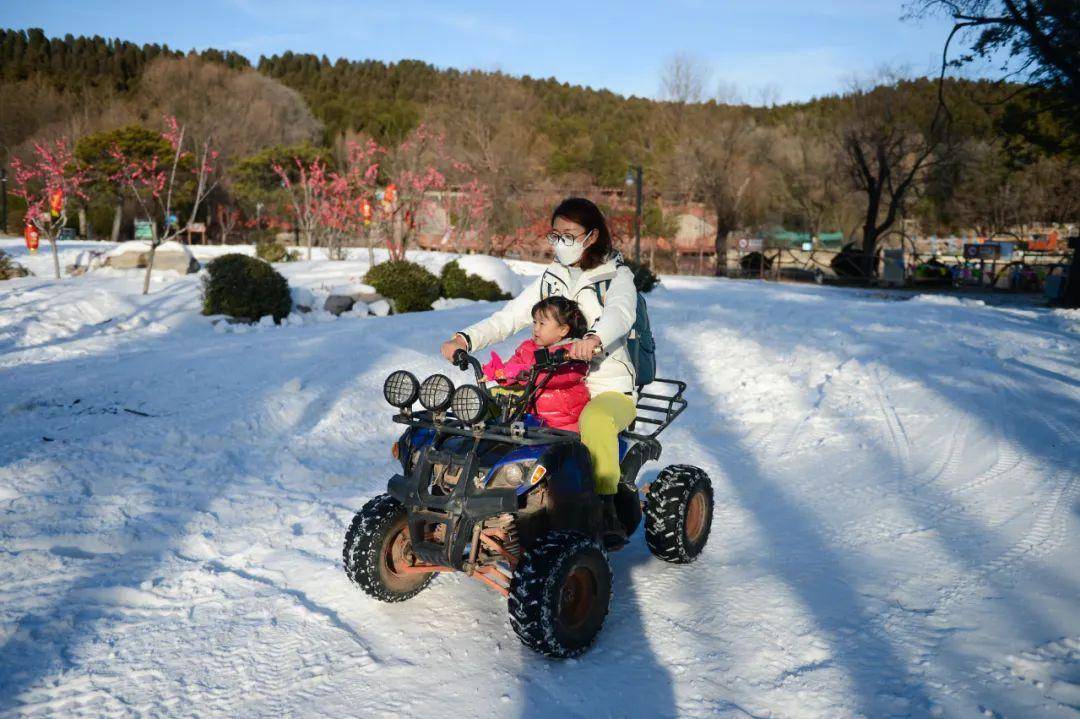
247	287
413	288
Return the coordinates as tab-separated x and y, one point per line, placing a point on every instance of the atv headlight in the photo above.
436	392
469	404
511	474
401	388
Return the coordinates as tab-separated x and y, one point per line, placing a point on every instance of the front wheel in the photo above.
378	553
678	513
560	594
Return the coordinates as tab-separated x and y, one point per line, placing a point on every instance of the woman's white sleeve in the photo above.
620	309
514	316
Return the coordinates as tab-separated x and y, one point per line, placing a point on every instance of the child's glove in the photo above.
495	370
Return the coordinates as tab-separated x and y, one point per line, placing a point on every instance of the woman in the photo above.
586	269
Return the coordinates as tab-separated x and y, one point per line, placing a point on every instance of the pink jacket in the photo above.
560	403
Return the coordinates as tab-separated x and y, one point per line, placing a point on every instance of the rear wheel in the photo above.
378	552
678	513
560	594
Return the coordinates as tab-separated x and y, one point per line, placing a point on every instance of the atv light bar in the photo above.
437	392
401	388
469	404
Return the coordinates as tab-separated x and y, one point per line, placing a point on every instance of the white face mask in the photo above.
569	254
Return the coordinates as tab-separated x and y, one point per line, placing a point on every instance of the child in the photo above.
560	403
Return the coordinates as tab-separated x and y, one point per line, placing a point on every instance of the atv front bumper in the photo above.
443	528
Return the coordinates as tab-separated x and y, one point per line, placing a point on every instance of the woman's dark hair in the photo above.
588	215
565	312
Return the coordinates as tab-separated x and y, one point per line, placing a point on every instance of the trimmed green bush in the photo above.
456	282
245	287
644	278
410	287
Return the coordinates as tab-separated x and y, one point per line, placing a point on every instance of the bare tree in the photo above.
811	178
487	123
717	152
888	148
683	79
724	160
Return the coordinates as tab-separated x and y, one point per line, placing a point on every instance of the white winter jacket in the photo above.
610	321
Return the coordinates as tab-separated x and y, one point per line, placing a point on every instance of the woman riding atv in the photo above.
589	271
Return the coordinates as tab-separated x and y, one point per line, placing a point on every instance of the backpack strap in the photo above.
600	287
547	285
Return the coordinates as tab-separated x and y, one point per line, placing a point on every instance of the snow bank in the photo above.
494	270
947	300
303	297
353	289
449	303
895	533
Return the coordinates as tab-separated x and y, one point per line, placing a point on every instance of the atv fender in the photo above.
398	488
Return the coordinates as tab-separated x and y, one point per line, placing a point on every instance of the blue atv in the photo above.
487	490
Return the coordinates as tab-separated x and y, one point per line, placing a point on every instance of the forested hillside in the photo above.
792	165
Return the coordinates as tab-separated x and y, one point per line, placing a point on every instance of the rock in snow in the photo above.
303	299
171	255
336	304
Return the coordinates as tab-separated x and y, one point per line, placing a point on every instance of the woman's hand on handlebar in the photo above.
452	345
585	349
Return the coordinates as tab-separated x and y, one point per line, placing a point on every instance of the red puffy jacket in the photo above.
560	403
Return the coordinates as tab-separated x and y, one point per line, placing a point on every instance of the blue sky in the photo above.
797	48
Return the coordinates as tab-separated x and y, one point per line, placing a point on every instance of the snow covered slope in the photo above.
896	533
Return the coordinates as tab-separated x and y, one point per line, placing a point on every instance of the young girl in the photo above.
560	403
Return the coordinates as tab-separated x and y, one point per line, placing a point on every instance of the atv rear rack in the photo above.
658	410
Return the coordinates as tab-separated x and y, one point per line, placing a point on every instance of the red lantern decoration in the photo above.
391	194
30	234
365	210
56	202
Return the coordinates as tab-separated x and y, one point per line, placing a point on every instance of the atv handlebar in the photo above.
463	360
544	358
545	364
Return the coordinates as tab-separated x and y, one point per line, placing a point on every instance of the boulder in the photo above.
13	270
369	298
169	256
87	260
359	310
303	300
379	308
336	304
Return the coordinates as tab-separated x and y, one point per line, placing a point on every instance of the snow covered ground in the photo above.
896	530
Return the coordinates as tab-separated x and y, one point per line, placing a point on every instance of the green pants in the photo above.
606	414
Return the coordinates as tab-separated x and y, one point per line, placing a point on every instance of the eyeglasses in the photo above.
566	238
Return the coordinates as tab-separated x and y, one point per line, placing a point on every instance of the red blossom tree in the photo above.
48	183
306	195
352	204
158	183
467	208
381	193
413	174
